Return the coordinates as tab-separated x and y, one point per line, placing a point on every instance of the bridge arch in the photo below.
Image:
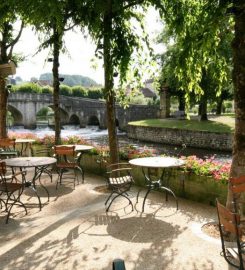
74	120
16	114
93	121
64	116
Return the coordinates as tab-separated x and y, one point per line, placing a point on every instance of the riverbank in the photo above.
216	134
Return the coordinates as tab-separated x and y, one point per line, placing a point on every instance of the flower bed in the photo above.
200	179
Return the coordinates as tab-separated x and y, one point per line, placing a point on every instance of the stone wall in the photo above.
200	139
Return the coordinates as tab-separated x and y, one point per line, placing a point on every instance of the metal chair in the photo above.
67	160
119	182
9	188
7	148
229	224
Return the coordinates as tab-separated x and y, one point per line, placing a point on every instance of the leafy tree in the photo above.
111	23
8	39
201	25
187	67
53	25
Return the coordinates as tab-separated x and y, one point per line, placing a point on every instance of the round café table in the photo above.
149	165
38	163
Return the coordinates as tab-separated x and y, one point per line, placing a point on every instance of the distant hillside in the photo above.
71	80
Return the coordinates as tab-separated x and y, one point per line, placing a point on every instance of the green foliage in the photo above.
95	93
65	90
44	111
79	91
47	90
27	88
200	58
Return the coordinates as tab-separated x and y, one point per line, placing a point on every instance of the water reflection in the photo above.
95	134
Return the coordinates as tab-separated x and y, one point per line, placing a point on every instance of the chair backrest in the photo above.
7	143
229	224
63	150
43	151
119	170
64	153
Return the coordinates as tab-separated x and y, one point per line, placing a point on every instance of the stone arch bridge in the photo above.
74	110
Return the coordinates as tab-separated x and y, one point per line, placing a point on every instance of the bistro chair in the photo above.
7	148
67	161
10	191
229	225
119	180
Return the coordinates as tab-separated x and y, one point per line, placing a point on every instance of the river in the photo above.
93	133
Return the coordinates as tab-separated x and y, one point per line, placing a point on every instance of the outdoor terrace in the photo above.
73	231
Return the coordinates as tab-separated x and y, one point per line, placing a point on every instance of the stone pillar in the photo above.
29	112
164	102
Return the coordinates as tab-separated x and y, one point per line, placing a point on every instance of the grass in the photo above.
222	124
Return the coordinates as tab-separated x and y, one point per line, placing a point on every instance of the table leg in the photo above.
32	186
38	174
155	185
80	168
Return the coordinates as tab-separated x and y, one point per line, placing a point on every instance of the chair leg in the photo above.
17	200
59	178
109	198
171	192
119	194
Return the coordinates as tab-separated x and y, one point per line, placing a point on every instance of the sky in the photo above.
80	52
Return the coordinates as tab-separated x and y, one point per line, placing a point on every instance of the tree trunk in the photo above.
181	98
203	108
56	86
108	76
3	108
238	155
219	106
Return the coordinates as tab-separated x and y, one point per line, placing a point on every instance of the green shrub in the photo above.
28	88
95	93
79	91
47	90
65	90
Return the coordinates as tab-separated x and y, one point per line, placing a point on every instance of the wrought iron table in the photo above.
38	163
149	164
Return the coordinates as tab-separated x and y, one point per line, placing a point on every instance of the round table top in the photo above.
29	161
157	162
24	141
80	147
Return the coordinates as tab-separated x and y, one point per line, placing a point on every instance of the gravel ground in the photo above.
73	231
